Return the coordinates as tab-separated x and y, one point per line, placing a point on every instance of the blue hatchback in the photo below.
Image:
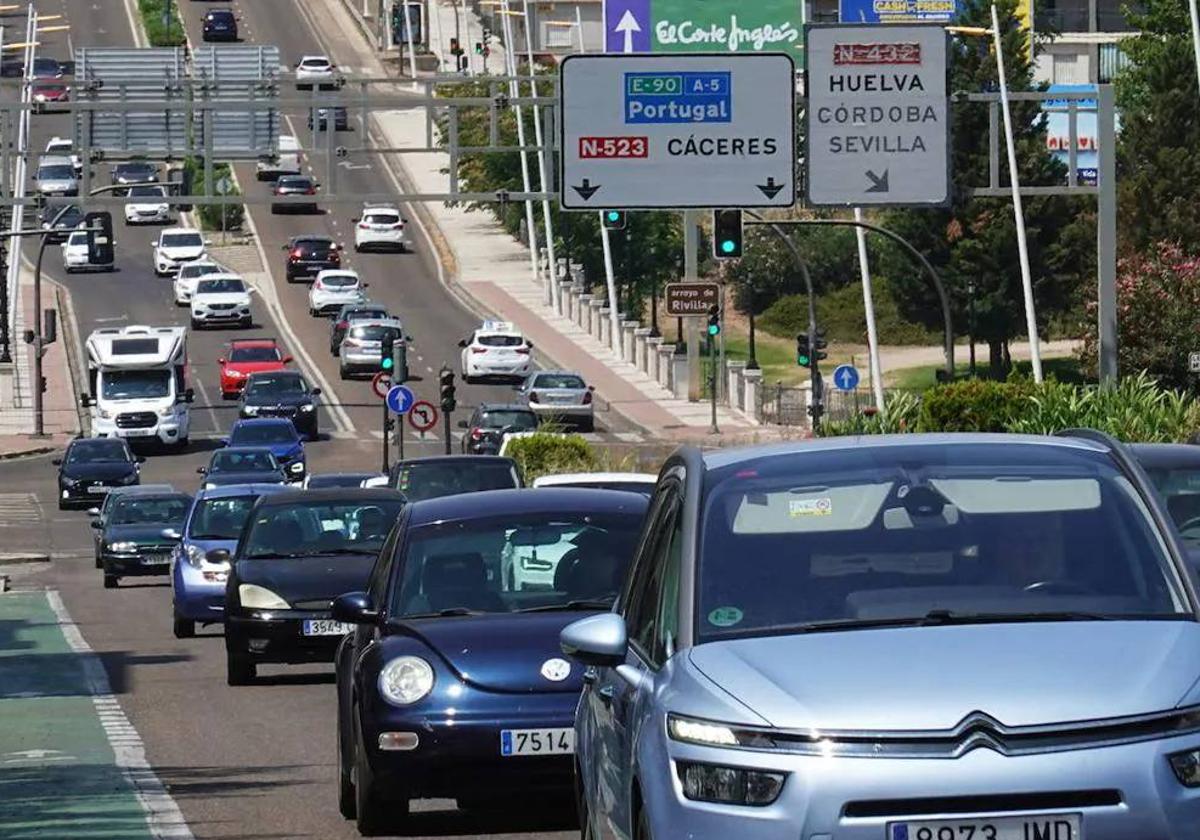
214	521
451	685
277	434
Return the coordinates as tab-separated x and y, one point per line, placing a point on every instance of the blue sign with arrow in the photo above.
400	399
845	377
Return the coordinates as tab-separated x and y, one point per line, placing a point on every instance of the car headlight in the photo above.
296	467
169	411
194	555
405	680
208	485
250	410
712	734
236	374
307	407
260	598
729	785
1187	767
104	414
123	547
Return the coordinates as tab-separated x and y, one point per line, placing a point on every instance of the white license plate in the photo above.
537	742
98	488
1041	827
138	432
325	627
156	559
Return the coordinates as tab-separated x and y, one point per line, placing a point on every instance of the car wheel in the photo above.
247	322
195	324
588	425
370	812
343	373
184	628
110	581
99	562
239	670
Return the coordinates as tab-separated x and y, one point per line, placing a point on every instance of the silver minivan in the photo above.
56	176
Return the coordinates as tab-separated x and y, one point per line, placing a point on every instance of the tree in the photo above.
1157	166
973	242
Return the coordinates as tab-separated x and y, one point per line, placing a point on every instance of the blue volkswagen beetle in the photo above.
451	685
277	434
214	521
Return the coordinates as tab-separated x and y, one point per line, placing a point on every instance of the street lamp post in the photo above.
971	321
752	362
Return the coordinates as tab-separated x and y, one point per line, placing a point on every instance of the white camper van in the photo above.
137	377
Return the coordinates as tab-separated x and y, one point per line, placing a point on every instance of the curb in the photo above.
13	558
28	453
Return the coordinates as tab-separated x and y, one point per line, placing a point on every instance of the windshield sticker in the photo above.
725	617
810	507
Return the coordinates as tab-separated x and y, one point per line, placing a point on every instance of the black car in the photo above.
242	465
353	312
91	466
220	25
308	255
452	658
102	513
48	68
298	551
489	424
282	393
134	172
327	481
1174	470
341	121
132	537
70	219
295	185
451	475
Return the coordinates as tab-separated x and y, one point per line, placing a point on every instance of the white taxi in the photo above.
497	349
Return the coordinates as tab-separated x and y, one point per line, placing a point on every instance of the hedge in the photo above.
151	12
210	214
842	316
544	453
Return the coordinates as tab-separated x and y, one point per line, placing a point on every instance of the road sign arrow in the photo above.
770	189
628	25
879	183
586	190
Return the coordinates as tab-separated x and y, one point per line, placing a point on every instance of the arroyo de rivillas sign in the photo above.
705	26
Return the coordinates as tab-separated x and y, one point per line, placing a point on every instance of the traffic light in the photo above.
455	49
614	219
446	381
479	48
803	359
714	320
727	234
99	237
819	346
811	350
387	351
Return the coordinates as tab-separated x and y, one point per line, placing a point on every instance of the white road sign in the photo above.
674	131
877	122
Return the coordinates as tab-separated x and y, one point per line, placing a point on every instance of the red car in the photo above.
247	356
48	92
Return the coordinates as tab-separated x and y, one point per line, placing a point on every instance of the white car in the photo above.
496	349
631	482
381	227
151	207
189	275
176	247
316	69
287	162
66	148
221	299
75	254
333	289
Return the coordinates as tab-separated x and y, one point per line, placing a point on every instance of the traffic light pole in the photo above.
387	464
712	376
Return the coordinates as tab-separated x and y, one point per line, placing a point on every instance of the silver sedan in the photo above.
559	396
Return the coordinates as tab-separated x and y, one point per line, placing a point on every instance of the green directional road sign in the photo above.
709	26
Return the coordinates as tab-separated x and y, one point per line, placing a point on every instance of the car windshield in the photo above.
339	280
295	182
860	537
199	270
254	354
523	420
224	285
1180	488
307	529
500	340
505	564
220	519
46	65
558	380
420	481
97	451
77	237
136	170
341	480
139	509
232	461
182	240
135	384
258	433
276	386
147	192
56	172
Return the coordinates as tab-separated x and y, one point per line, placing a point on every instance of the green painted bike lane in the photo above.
59	776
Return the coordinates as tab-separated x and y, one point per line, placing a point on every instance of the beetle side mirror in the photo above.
354	608
599	640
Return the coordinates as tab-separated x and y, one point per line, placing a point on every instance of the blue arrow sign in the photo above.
845	377
626	26
400	399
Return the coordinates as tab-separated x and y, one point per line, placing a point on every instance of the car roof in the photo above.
253	342
325	271
558	372
55	160
164	494
170	230
595	477
136	164
312	237
140	489
263	421
456	459
222	12
263	449
284	372
505	407
226	491
378	322
209	278
333	494
1166	454
489	503
315	57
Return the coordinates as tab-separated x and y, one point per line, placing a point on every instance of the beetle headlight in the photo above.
405	680
260	598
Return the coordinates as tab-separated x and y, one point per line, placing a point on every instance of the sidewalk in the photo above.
72	765
493	270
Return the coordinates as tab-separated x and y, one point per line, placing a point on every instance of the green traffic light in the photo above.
613	215
802	361
386	364
713	329
728	246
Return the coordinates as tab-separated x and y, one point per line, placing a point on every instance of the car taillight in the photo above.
524	351
587	398
533	397
397	225
363	226
476	434
478	349
312	191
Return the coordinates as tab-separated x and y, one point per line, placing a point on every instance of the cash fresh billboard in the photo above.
710	26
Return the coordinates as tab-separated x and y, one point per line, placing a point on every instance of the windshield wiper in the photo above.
933	618
581	604
275	556
446	613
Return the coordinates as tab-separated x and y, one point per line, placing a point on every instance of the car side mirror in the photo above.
85	400
171	534
316	392
354	608
207	242
520	386
529	344
202	470
221	360
140	459
93	511
599	640
283	247
95	524
218	557
189	395
287	360
366	285
57	462
223	441
462	343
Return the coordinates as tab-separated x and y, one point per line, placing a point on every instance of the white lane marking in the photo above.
139	37
163	817
212	412
19	509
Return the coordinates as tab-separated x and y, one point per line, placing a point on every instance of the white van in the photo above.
287	162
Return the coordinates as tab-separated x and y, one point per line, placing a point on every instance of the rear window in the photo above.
339	280
431	481
374	332
254	354
504	419
558	380
500	340
381	218
314	245
363	314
